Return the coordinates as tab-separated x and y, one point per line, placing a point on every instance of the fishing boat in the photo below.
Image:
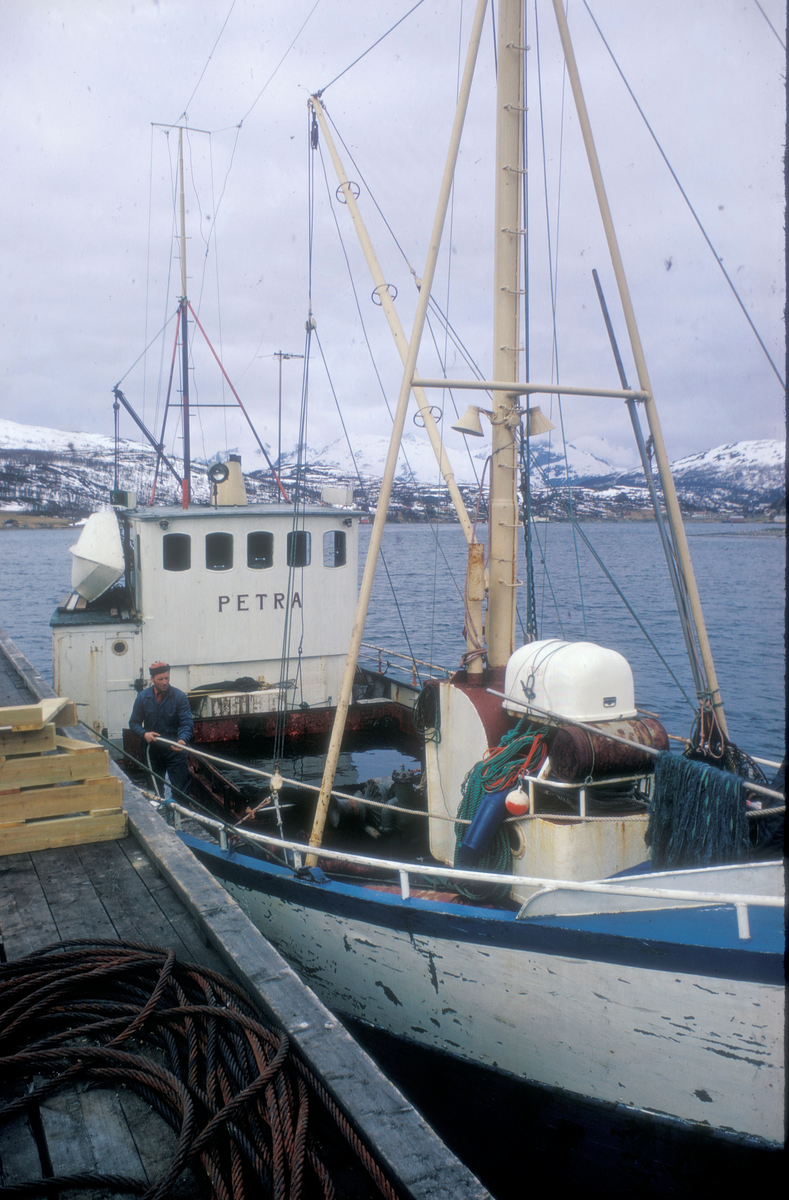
250	603
570	926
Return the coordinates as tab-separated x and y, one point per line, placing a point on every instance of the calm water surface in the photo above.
740	572
739	569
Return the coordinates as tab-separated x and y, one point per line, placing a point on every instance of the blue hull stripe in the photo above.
702	941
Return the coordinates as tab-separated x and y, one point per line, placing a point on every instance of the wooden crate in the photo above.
54	791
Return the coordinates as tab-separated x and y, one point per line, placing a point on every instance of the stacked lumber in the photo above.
54	791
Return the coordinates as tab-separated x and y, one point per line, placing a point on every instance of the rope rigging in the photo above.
584	537
315	145
366	498
377	42
553	275
434	305
685	197
298	557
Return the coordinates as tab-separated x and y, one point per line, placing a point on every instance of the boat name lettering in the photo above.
243	597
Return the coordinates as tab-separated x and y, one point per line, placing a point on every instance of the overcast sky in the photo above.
89	263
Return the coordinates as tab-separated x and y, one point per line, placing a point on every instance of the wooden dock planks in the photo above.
54	791
51	895
93	891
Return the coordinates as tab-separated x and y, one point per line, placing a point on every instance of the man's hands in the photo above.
151	737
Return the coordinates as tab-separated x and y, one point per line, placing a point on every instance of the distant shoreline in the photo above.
12	519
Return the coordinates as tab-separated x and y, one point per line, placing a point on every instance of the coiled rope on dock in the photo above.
191	1044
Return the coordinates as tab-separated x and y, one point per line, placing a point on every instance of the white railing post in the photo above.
743	925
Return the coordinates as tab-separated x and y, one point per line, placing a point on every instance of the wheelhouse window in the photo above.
176	552
219	551
334	548
299	548
260	550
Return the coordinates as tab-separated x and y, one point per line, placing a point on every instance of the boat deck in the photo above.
148	888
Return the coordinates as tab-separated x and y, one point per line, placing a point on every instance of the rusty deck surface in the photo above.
149	888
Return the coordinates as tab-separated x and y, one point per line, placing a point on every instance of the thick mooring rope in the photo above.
189	1042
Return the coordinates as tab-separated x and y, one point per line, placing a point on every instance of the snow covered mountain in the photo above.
750	464
69	473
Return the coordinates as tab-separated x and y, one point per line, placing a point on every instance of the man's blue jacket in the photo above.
172	718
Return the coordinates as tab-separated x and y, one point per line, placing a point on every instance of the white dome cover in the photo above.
576	680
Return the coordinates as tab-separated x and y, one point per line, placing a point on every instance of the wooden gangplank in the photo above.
148	887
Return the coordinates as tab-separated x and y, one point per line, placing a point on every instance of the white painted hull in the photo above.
691	1046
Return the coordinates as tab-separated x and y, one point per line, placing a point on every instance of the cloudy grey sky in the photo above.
89	267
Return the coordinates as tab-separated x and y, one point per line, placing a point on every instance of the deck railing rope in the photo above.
432	870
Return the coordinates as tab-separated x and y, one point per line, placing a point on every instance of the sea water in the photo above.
739	570
492	1123
417	607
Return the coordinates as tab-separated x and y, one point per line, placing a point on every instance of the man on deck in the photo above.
163	711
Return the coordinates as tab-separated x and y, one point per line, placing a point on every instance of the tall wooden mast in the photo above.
503	535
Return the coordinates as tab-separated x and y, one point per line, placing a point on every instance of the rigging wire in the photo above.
367	343
781	43
148	271
530	632
208	60
547	579
364	53
302	27
443	356
557	496
449	329
296	561
353	289
685	197
433	303
553	277
377	375
442	359
367	502
142	353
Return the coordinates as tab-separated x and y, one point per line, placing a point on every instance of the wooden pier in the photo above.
148	888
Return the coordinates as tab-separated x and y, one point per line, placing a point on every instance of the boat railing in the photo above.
381	653
536	784
671	897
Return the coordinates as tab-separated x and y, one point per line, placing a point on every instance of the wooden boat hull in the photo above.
665	1011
